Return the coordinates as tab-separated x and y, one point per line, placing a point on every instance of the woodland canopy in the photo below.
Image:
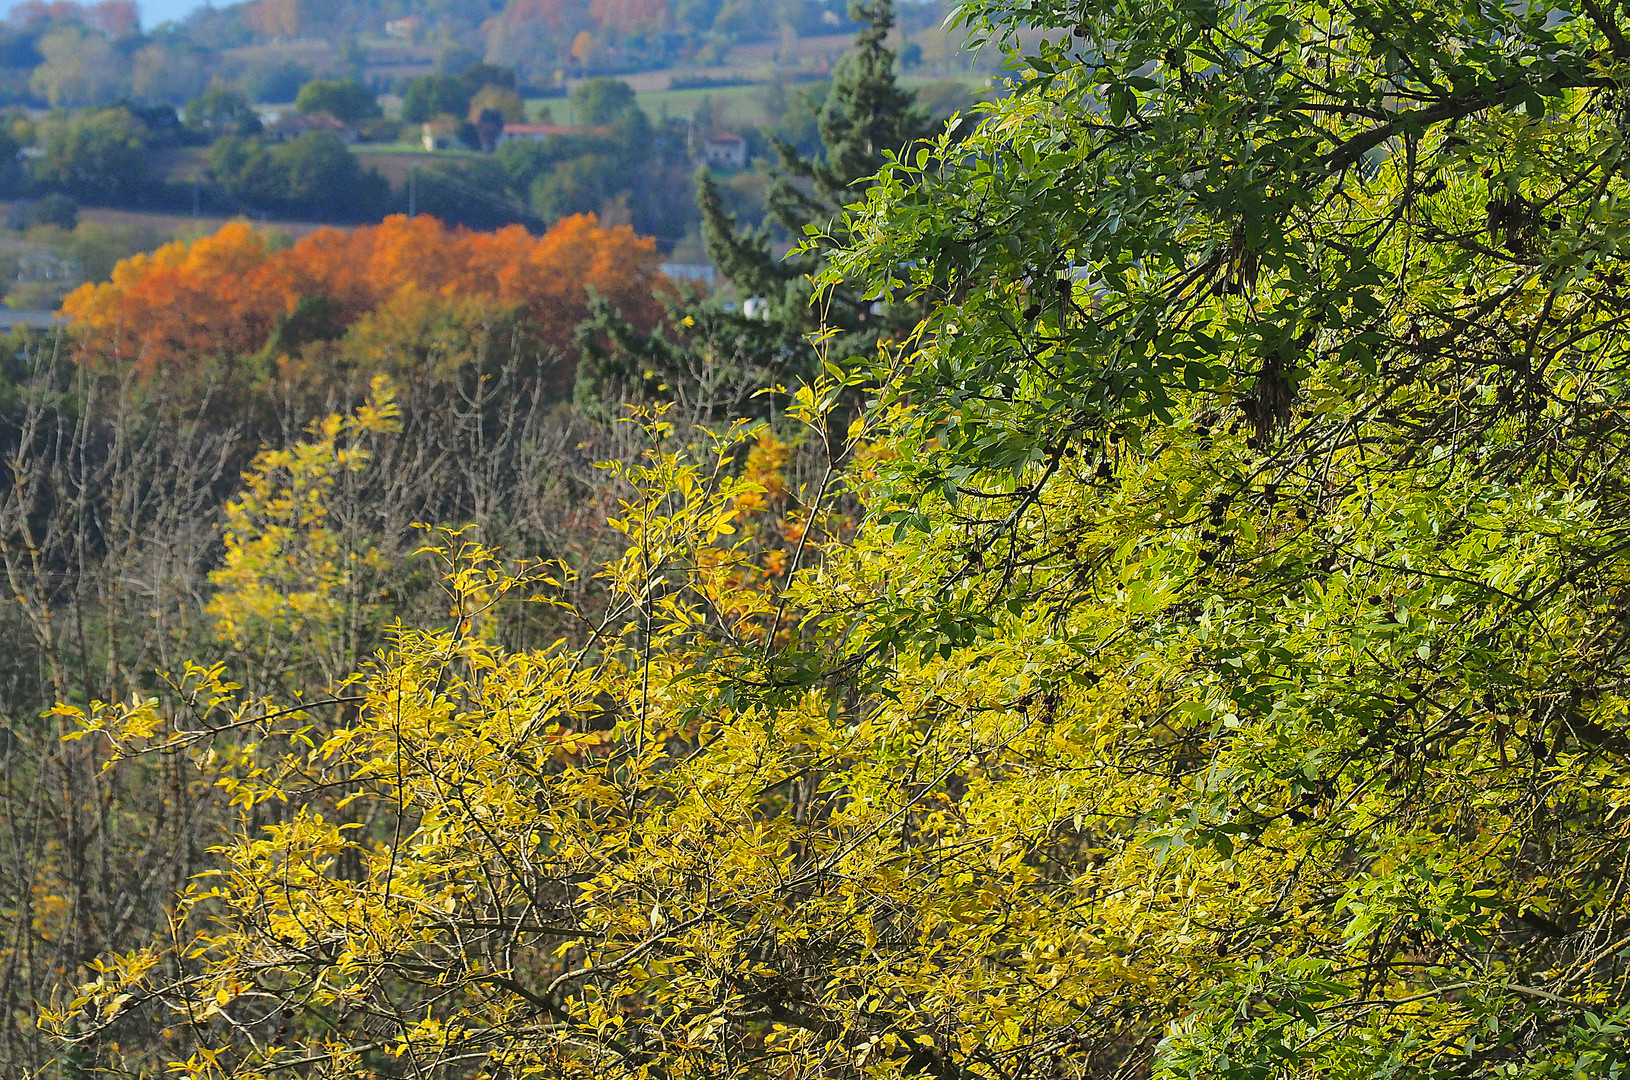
364	300
1193	646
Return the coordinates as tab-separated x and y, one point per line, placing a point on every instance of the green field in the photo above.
394	161
741	104
735	105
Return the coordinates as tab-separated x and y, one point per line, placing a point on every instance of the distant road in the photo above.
11	319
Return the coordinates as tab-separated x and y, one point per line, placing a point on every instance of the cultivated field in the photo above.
171	226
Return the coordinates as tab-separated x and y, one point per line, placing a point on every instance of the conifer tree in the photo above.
867	115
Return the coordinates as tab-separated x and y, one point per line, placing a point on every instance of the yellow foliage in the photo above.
288	585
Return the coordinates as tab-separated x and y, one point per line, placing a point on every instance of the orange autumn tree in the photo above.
189	306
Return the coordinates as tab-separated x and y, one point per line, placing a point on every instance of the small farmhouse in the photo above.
727	151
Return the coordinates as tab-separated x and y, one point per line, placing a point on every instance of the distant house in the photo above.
293	125
726	151
439	134
39	319
406	28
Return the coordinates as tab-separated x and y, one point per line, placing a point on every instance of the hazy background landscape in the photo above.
127	126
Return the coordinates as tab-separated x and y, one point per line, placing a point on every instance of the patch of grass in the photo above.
736	104
741	104
395	160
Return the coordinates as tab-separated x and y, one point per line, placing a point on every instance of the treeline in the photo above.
106	157
302	307
621	162
611	159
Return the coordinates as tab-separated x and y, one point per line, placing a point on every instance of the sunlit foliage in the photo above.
231	294
1226	676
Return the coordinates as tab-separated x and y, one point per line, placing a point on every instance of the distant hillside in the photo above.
70	54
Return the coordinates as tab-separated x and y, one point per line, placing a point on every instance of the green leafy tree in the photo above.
317	171
525	160
98	155
278	80
697	15
501	100
479	76
312	174
640	169
433	95
471	192
602	101
12	175
168	72
580	185
344	99
430	96
78	68
242	172
219	112
1315	313
53	209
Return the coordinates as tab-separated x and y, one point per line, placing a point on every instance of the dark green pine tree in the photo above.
716	359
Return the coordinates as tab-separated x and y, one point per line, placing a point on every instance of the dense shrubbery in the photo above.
109	533
343	99
313	175
124	448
